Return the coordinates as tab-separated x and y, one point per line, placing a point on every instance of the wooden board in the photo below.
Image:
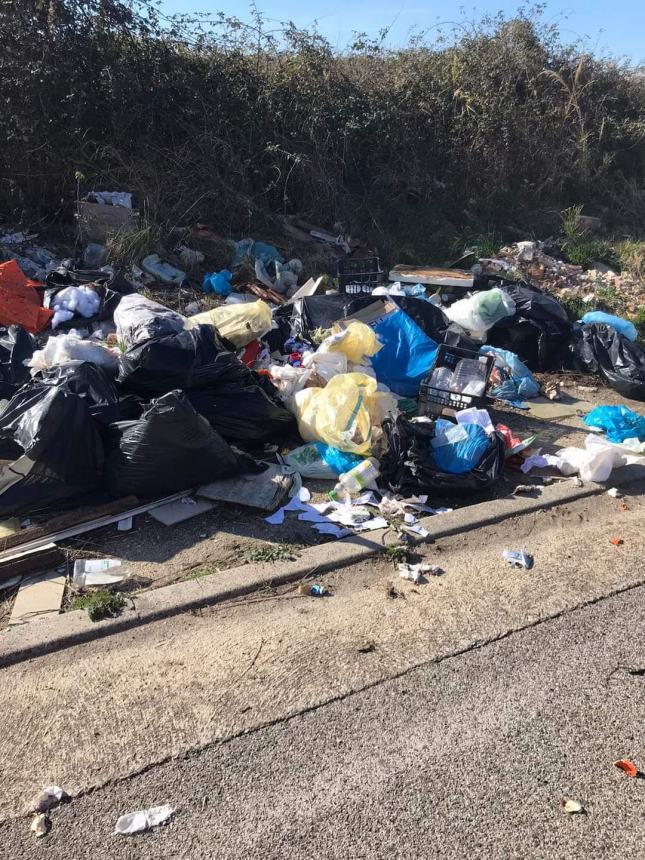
433	277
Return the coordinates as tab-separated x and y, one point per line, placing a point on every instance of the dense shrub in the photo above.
500	127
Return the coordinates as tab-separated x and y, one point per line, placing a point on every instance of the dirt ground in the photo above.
229	535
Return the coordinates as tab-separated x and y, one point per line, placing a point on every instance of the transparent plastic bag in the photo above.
480	312
239	324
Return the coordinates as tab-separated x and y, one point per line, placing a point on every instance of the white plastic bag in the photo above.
71	301
135	822
480	312
66	348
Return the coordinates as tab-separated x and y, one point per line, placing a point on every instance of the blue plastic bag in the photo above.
618	422
250	250
407	355
339	461
218	283
521	385
624	327
458	448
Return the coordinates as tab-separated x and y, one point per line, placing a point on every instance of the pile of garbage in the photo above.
380	390
541	263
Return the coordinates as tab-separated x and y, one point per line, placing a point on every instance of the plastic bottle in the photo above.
441	379
469	377
314	590
359	478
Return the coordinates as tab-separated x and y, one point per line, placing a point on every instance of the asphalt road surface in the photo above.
466	757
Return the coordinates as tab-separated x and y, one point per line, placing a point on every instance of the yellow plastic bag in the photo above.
239	323
356	342
339	414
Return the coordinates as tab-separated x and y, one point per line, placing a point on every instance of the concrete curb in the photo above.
45	635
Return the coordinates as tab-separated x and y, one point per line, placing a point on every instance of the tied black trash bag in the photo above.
16	347
600	349
539	331
194	358
409	468
53	422
245	415
170	448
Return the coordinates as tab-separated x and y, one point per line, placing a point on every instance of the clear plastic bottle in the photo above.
441	379
361	477
469	377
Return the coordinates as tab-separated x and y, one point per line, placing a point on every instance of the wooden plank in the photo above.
66	519
431	276
32	561
90	525
38	595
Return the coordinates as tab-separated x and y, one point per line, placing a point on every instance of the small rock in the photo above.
40	824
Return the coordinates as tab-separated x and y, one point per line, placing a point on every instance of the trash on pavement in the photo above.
40	824
614	493
409	465
136	822
265	490
618	422
627	767
601	349
571	806
98	571
518	558
48	798
414	572
315	589
616	541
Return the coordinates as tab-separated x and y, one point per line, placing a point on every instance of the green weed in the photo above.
396	553
574	307
271	553
100	604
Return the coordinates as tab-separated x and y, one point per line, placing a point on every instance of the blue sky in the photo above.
615	27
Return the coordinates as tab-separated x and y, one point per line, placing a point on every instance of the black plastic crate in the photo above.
359	277
433	399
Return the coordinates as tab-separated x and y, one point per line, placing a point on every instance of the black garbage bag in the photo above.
16	347
601	349
170	448
53	423
244	415
194	358
538	332
408	466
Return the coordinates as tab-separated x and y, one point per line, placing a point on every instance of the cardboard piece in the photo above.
309	288
38	595
265	491
433	277
180	510
97	222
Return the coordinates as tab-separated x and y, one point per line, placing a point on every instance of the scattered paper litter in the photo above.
297	503
414	572
331	529
416	529
614	493
136	822
571	806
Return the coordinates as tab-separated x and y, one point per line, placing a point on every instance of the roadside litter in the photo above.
137	822
260	377
518	558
